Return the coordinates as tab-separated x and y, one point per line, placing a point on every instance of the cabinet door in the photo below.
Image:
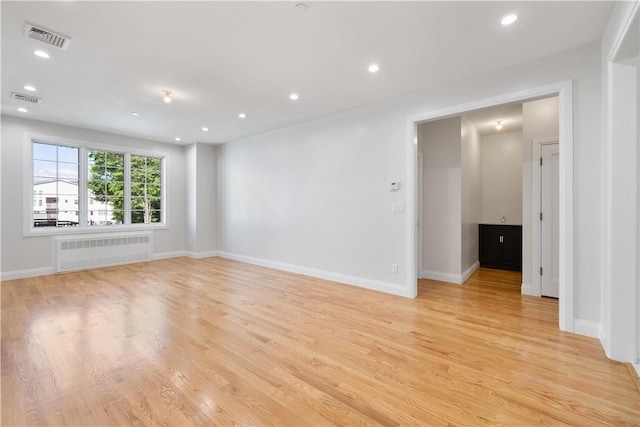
490	246
512	248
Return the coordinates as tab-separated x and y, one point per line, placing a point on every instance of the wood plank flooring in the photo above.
217	342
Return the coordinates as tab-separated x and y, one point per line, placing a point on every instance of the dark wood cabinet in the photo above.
501	246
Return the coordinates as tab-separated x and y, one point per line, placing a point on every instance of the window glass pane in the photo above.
146	189
44	151
106	187
68	154
43	168
68	171
55	185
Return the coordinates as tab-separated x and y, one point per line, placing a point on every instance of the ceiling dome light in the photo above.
29	88
166	96
294	97
499	125
177	138
509	19
242	115
41	54
22	110
205	129
374	68
135	114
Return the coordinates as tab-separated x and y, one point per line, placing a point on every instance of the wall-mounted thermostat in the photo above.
394	186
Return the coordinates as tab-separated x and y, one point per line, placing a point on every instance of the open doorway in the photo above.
565	195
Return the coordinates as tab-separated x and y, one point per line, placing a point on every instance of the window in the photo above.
146	174
55	174
106	188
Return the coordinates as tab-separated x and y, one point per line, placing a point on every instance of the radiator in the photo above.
102	250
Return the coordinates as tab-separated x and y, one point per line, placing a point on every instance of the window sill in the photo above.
64	231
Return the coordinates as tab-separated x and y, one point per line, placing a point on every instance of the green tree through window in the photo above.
106	182
145	189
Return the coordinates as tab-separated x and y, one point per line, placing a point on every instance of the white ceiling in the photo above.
485	120
223	58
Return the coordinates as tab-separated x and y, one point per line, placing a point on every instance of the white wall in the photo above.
33	255
200	198
620	292
502	178
315	194
472	196
440	144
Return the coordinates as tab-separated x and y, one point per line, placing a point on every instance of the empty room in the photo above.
320	213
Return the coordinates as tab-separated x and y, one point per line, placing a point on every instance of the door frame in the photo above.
536	229
420	216
564	91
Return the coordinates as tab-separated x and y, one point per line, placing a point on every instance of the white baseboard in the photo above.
31	272
376	285
167	255
587	328
528	289
469	271
200	255
442	277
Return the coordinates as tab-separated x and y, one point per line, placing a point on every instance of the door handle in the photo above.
501	239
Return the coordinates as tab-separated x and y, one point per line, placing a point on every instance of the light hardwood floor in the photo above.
218	342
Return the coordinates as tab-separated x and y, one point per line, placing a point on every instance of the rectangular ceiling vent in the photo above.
24	97
49	37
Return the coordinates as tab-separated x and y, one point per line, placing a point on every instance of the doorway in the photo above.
565	174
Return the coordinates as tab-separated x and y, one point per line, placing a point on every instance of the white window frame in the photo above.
83	203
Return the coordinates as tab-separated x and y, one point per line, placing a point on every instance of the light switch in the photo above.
394	186
397	208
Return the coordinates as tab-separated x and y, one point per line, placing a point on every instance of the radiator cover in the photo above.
80	252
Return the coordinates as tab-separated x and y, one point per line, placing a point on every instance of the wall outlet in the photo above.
394	268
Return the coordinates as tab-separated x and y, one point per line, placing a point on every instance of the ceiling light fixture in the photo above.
29	88
509	19
242	115
22	110
41	54
177	139
499	124
374	68
294	97
166	96
135	114
205	129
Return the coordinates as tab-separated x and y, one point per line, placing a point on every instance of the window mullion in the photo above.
127	189
83	200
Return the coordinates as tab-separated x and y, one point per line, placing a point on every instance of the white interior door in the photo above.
420	189
550	236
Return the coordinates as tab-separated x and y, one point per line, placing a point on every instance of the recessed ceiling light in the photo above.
374	68
294	97
242	115
135	114
499	124
509	19
166	96
205	129
41	53
22	110
29	88
177	138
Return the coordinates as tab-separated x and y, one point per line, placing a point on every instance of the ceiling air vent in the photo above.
25	97
46	36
